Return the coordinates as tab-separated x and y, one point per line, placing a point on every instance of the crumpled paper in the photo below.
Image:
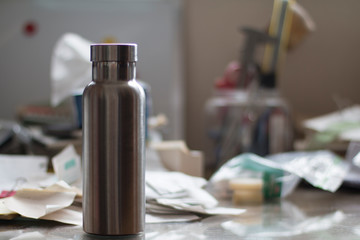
51	203
70	67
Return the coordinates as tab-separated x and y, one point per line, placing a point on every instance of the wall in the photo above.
25	59
324	65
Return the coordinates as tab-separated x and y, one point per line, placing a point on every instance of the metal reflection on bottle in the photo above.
113	144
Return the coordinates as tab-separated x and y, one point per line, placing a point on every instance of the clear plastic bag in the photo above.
280	173
322	169
275	181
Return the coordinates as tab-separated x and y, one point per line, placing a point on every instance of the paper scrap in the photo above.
350	114
225	211
166	200
175	185
34	203
67	215
39	182
16	167
67	165
160	218
62	186
6	213
350	135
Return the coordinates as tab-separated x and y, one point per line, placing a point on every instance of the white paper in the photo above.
3	209
66	215
62	186
351	135
20	167
165	183
67	165
224	211
178	185
34	203
166	188
155	218
39	182
351	114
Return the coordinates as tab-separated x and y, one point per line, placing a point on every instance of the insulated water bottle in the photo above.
113	143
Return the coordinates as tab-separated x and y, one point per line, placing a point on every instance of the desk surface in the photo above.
306	214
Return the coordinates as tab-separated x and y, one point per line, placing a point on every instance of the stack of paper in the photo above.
182	196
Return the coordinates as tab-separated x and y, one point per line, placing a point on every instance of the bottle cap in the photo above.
113	52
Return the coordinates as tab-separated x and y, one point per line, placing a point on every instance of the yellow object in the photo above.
301	26
247	190
252	184
280	26
109	39
247	197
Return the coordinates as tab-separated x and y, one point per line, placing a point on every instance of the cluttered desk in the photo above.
96	166
307	213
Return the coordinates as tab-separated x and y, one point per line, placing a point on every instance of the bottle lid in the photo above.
113	52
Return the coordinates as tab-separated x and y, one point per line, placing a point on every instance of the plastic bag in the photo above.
322	169
70	67
281	173
275	181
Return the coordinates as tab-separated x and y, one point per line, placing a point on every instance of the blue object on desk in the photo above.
78	108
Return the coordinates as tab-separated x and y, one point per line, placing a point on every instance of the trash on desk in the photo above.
6	213
249	178
18	169
322	169
343	125
173	218
170	197
51	203
67	165
175	196
171	193
352	178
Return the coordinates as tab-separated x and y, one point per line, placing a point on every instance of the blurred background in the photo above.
184	46
322	67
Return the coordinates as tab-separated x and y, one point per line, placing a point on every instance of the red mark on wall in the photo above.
30	28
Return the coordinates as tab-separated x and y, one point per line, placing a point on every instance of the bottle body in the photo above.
113	151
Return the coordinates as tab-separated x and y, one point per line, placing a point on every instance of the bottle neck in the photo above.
113	71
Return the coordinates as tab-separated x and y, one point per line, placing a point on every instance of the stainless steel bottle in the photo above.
113	143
